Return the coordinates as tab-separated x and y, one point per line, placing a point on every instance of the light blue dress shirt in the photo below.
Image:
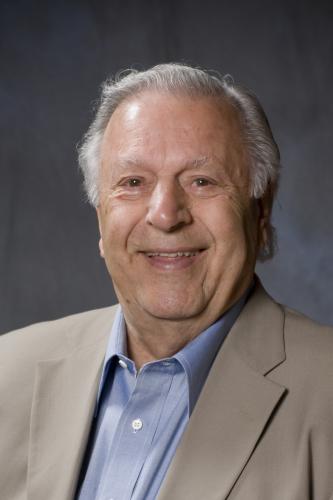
141	415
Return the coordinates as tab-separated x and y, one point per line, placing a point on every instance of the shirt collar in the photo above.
196	357
116	347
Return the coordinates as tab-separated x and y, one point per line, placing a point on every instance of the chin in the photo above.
171	308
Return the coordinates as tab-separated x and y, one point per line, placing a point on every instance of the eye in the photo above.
132	187
202	182
134	182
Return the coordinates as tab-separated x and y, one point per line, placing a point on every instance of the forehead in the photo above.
155	125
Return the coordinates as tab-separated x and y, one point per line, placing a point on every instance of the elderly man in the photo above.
198	386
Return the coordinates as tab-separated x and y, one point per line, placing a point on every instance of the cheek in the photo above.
120	220
224	221
232	227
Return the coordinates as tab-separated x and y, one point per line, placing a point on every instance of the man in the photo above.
198	386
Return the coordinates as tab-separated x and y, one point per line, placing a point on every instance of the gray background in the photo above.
53	58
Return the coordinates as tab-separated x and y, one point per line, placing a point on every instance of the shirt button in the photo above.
123	365
137	424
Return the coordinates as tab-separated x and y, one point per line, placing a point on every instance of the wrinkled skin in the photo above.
174	178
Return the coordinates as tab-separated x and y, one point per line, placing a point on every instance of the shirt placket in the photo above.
136	429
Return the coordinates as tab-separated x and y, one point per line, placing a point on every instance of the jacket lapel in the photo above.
233	409
62	411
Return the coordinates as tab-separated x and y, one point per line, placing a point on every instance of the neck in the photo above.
158	341
150	338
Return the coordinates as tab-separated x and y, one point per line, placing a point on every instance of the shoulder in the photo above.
300	334
307	336
307	368
309	348
57	337
289	346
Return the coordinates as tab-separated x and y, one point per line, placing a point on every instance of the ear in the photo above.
264	215
100	243
101	248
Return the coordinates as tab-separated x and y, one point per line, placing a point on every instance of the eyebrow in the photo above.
126	162
198	162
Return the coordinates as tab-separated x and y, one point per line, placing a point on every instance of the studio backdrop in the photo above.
54	56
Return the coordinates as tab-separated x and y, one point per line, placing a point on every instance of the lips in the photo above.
172	259
172	255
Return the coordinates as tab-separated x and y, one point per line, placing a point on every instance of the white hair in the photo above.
193	82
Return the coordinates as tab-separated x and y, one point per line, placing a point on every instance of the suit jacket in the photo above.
262	428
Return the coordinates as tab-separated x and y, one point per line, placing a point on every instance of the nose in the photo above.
168	208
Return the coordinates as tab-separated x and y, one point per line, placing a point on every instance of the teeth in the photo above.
171	255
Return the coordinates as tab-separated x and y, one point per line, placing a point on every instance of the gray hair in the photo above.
195	83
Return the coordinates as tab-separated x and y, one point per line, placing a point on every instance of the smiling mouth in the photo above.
172	255
176	260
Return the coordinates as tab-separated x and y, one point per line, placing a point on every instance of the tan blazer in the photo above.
262	428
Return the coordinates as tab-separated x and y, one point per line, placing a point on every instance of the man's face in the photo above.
178	229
